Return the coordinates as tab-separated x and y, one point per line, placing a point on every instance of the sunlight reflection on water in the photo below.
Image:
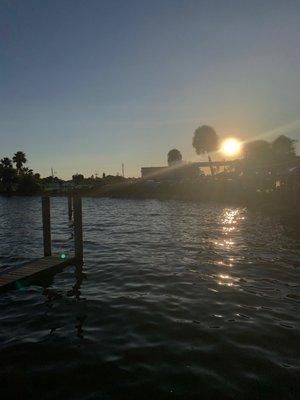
171	294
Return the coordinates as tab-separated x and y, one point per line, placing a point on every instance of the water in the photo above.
176	300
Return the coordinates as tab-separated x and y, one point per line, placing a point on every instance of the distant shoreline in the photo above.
280	203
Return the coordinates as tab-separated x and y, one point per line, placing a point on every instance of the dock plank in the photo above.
9	278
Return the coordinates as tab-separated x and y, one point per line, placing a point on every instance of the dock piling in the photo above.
77	205
12	277
46	225
70	206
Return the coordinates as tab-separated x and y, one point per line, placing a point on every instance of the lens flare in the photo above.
62	256
231	147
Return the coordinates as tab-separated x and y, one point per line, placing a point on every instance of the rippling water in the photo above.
176	300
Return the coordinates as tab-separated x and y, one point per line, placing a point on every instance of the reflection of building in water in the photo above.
174	172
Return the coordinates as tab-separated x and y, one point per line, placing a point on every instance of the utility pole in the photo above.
123	170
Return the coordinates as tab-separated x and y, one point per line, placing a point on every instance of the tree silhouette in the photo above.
6	162
27	183
174	156
19	159
258	151
283	148
27	171
205	141
78	178
7	174
21	179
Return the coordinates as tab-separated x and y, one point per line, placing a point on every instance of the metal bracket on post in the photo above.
46	225
77	205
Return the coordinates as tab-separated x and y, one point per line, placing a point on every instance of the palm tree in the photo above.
6	162
205	141
19	159
27	171
174	157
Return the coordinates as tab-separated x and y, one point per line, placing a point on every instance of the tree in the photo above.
205	141
27	171
78	178
283	148
174	157
20	180
27	184
7	174
6	162
258	151
19	159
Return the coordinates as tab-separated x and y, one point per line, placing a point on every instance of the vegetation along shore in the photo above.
266	177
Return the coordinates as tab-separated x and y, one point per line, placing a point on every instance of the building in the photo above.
176	172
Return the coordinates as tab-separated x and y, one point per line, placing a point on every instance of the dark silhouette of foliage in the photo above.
20	180
174	156
27	171
19	159
78	178
51	179
114	179
283	148
258	151
263	152
7	174
205	140
28	183
6	162
264	161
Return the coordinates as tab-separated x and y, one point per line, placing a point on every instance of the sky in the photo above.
88	85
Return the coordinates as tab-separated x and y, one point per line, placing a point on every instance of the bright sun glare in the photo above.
231	146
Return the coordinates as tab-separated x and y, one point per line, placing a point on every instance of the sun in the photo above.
231	147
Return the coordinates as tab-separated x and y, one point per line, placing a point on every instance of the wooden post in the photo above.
211	167
70	206
77	204
46	225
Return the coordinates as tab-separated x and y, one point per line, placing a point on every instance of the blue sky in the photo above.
87	85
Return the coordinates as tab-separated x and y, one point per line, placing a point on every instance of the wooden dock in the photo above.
16	277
